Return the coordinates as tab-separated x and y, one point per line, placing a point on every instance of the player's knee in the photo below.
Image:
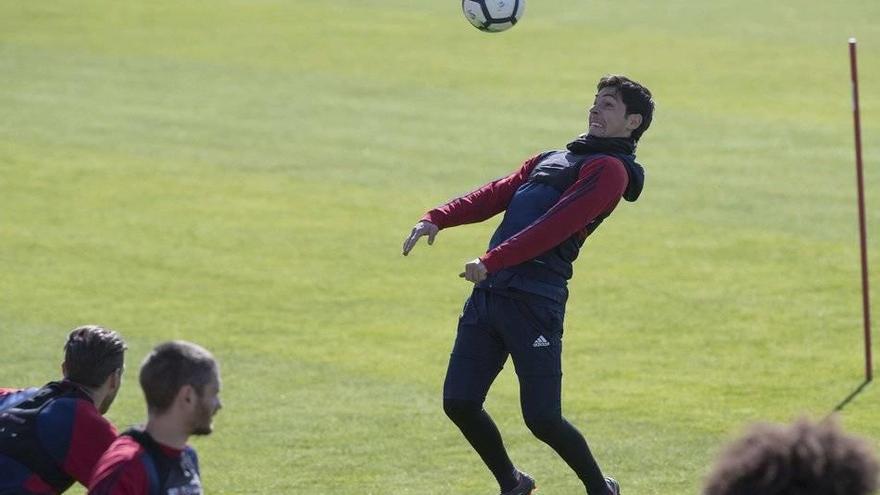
546	428
460	410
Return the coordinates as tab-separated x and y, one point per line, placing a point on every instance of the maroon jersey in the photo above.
51	438
138	465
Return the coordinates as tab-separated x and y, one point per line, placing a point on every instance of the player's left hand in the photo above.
474	271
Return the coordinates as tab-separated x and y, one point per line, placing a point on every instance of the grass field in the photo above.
242	174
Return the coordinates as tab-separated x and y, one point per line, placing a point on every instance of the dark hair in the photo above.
172	365
92	354
636	98
801	459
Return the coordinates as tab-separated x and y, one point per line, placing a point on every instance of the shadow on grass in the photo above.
851	396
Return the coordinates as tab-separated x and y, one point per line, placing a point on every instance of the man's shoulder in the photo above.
566	158
124	449
61	396
561	168
601	160
190	453
10	397
79	411
123	456
121	469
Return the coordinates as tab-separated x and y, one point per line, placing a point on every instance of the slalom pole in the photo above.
866	304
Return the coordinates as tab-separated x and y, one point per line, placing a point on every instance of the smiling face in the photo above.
608	118
207	405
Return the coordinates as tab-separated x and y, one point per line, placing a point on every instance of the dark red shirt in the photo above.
125	469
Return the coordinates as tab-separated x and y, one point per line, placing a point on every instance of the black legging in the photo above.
492	328
479	429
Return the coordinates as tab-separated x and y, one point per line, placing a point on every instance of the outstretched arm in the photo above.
476	206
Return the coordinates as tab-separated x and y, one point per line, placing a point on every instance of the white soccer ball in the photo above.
493	15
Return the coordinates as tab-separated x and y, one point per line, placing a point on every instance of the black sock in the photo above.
479	429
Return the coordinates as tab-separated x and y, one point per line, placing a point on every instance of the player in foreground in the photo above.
54	435
181	384
552	203
804	458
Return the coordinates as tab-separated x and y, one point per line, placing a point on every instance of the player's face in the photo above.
104	406
608	116
206	407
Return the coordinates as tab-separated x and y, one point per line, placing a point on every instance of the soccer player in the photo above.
551	203
803	458
54	435
181	384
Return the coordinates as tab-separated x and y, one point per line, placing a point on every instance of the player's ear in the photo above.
64	369
187	395
633	121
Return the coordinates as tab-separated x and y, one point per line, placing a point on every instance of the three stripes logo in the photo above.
541	342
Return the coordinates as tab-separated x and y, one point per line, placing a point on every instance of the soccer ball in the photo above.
493	15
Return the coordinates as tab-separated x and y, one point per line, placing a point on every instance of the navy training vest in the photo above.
168	476
547	274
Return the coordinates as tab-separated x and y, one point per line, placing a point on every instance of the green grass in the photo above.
242	174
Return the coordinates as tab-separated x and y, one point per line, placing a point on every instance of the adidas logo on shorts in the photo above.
541	342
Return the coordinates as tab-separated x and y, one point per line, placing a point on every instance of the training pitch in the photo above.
242	175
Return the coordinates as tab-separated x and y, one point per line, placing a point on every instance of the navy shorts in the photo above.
495	325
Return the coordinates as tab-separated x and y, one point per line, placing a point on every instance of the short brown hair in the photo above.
172	365
801	459
91	354
635	96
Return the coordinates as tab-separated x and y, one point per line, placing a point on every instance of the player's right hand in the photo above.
421	228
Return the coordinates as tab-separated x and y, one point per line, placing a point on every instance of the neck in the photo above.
96	394
593	144
167	430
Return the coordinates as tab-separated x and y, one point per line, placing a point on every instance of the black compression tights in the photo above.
479	429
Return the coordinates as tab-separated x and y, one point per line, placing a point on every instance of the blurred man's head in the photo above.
182	379
801	459
622	108
94	357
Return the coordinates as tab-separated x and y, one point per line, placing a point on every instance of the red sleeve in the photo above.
92	434
120	471
597	191
484	203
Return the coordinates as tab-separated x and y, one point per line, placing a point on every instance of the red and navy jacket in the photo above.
552	203
136	464
49	438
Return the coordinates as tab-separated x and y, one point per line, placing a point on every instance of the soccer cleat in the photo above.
613	485
525	485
